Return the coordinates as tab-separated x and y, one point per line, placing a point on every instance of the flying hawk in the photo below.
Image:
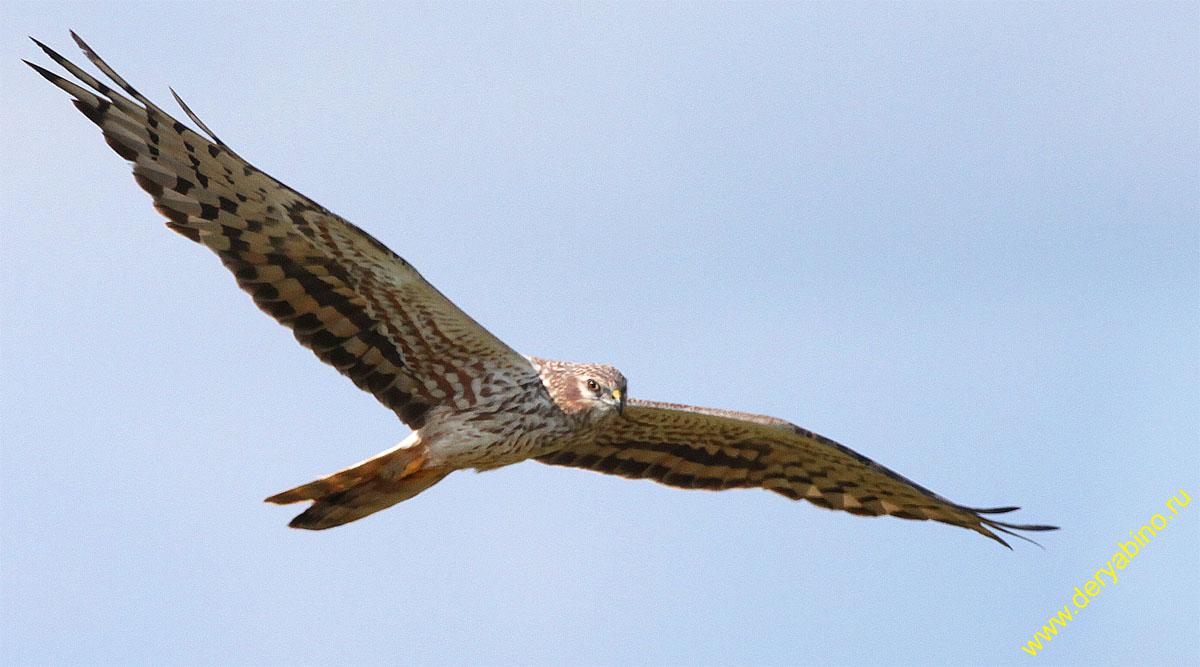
471	400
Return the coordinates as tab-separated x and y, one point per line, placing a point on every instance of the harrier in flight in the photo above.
471	400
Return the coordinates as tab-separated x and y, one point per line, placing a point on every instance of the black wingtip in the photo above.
1011	528
54	55
47	74
79	40
87	50
1006	528
196	119
993	510
41	45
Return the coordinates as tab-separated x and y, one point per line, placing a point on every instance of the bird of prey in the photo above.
471	400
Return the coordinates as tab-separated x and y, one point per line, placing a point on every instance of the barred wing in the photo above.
356	304
701	448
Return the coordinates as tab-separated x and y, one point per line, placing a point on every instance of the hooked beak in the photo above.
617	394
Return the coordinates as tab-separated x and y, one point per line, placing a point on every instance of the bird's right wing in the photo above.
356	304
702	448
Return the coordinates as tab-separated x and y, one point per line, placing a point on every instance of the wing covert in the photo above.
702	448
356	304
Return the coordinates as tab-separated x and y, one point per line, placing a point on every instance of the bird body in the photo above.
471	400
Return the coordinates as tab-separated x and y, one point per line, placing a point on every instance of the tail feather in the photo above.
364	488
363	499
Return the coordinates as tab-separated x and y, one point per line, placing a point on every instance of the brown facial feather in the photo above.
564	380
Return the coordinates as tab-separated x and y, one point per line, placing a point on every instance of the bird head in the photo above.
601	388
586	391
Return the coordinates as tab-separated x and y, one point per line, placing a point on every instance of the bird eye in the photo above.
592	385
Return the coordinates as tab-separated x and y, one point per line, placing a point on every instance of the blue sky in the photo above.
961	239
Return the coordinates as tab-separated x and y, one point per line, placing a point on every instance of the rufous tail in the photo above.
375	484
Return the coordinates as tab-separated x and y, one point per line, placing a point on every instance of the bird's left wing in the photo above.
356	304
702	448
